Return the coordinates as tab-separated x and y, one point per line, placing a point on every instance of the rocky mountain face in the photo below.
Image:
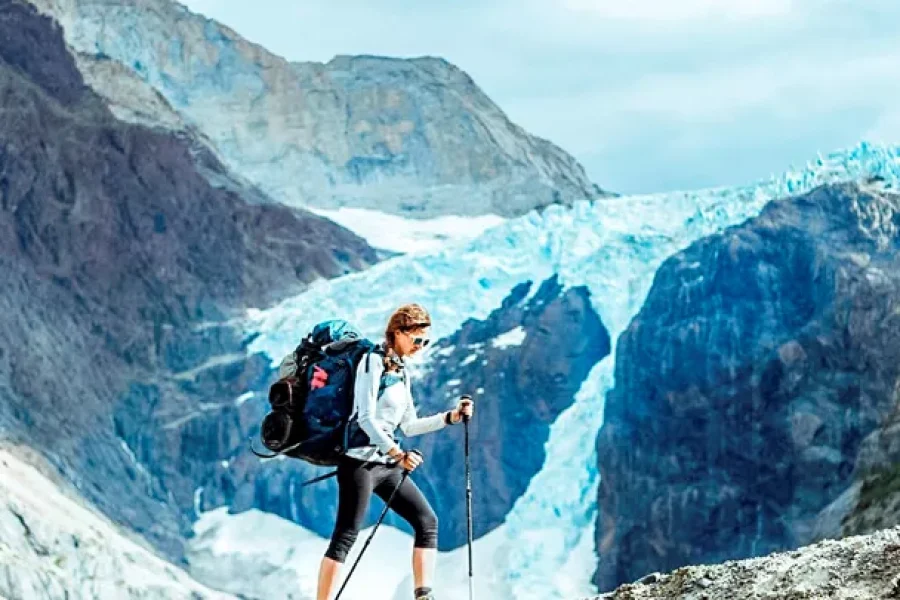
414	137
122	263
873	502
746	386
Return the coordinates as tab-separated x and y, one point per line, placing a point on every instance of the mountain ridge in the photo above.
349	132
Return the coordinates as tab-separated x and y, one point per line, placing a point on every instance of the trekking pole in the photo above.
469	501
371	535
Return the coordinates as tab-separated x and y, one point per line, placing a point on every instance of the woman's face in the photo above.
409	342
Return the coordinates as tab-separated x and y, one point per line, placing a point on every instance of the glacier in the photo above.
544	550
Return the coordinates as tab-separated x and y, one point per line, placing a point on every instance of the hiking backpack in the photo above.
311	414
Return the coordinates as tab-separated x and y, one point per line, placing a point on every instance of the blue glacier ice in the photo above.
614	246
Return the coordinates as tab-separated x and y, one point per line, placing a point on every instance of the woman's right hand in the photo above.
411	460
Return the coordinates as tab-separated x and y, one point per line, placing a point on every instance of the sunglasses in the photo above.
420	341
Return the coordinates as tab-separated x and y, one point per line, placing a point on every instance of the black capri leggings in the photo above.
356	482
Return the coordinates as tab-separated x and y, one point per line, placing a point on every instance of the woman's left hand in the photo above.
465	408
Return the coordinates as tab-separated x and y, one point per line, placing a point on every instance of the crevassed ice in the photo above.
469	279
614	247
559	507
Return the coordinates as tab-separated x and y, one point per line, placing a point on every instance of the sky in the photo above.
648	95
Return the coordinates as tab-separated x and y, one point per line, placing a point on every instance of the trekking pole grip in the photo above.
463	398
413	451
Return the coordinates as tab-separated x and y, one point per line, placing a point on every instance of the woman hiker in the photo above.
384	402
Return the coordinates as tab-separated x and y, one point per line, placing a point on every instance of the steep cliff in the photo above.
414	137
761	359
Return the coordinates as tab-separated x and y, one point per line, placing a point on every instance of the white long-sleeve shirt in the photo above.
383	406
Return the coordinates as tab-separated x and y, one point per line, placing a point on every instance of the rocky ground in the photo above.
856	567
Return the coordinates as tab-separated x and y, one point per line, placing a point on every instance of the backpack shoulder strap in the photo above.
377	349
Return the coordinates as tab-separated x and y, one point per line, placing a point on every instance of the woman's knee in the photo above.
341	543
426	527
429	520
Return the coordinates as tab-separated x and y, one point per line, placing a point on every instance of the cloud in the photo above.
683	10
791	86
886	129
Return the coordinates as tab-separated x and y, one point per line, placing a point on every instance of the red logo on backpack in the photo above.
319	378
